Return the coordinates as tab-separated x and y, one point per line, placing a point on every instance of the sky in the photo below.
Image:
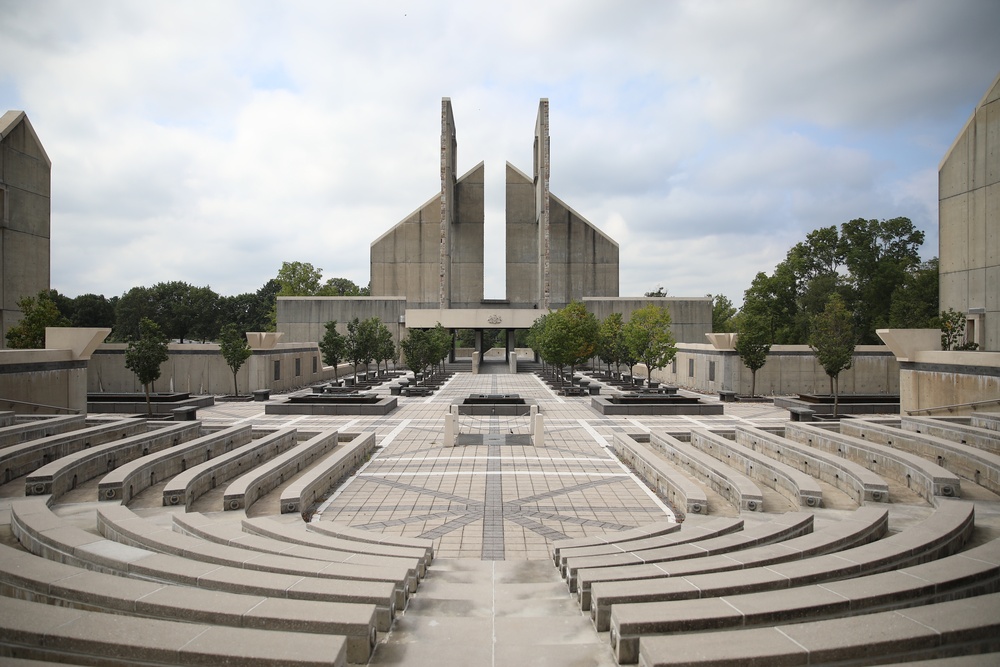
209	142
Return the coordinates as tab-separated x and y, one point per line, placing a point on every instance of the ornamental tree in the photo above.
649	338
753	343
144	355
333	346
235	350
832	338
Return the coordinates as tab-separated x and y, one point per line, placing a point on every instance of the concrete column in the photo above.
513	362
475	363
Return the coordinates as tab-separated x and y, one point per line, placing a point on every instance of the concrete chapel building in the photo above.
428	268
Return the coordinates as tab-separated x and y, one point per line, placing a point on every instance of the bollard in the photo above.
449	429
538	429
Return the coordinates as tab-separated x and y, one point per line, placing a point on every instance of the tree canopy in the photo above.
235	350
753	343
333	346
833	339
38	312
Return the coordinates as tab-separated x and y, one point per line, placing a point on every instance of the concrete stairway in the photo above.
493	614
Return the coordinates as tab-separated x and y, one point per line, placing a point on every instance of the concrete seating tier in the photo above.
970	462
688	534
232	534
251	486
127	480
974	436
361	535
300	495
26	576
20	459
65	473
44	534
31	629
987	420
191	484
12	434
853	479
975	572
930	631
944	533
660	475
922	476
797	486
737	488
7	417
703	556
620	537
297	534
118	523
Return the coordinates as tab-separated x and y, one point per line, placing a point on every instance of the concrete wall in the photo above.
303	319
790	369
522	240
45	378
950	383
969	214
200	369
25	179
690	318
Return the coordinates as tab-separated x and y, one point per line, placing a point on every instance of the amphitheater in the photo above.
248	538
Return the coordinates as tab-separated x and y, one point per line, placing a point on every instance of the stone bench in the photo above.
261	395
970	462
660	475
128	480
940	535
689	533
30	628
737	488
44	534
583	572
799	487
559	547
926	478
7	418
187	413
65	473
118	523
186	487
574	391
53	583
254	484
986	420
361	535
14	434
26	457
801	414
297	534
308	488
959	576
421	390
933	630
974	436
727	396
855	480
231	533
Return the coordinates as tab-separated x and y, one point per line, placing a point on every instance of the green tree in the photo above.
658	293
235	350
421	347
339	287
362	341
38	312
832	339
570	336
92	310
953	332
299	279
879	254
385	347
915	302
648	336
610	340
723	311
145	354
133	306
333	346
752	345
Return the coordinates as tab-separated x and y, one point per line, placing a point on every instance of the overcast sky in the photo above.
210	141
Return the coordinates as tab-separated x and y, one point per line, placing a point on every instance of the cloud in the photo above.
209	143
